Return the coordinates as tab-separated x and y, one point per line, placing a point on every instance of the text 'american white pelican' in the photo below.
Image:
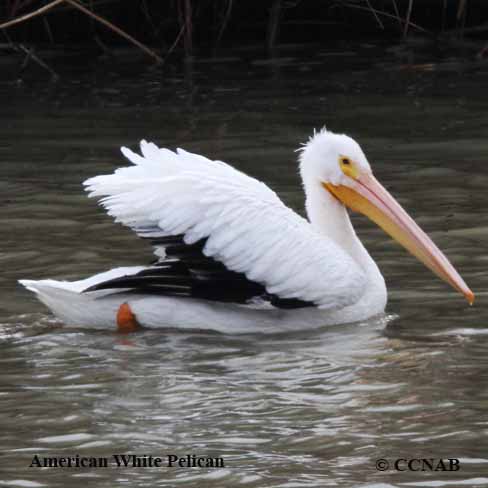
232	257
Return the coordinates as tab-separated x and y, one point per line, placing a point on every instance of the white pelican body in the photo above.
231	256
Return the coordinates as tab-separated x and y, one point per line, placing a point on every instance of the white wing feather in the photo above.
247	227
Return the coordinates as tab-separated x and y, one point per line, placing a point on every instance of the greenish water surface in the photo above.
315	408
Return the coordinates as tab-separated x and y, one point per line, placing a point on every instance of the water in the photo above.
315	408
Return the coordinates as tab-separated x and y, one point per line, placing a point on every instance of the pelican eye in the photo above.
348	166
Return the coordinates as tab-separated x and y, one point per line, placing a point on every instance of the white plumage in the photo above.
246	228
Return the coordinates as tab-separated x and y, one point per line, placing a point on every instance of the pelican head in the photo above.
337	163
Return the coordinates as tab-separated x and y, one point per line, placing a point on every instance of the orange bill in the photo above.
370	198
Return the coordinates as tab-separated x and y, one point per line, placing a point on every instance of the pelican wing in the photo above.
242	222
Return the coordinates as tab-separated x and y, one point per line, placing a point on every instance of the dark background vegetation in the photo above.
184	26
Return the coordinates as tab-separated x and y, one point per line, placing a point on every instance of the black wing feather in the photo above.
186	271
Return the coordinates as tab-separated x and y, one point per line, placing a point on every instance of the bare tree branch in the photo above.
37	12
407	19
91	14
375	14
116	29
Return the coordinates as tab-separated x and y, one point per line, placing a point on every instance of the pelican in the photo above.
232	257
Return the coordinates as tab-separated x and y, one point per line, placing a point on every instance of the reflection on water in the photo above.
315	408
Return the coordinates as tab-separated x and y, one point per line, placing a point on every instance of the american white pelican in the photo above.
231	256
